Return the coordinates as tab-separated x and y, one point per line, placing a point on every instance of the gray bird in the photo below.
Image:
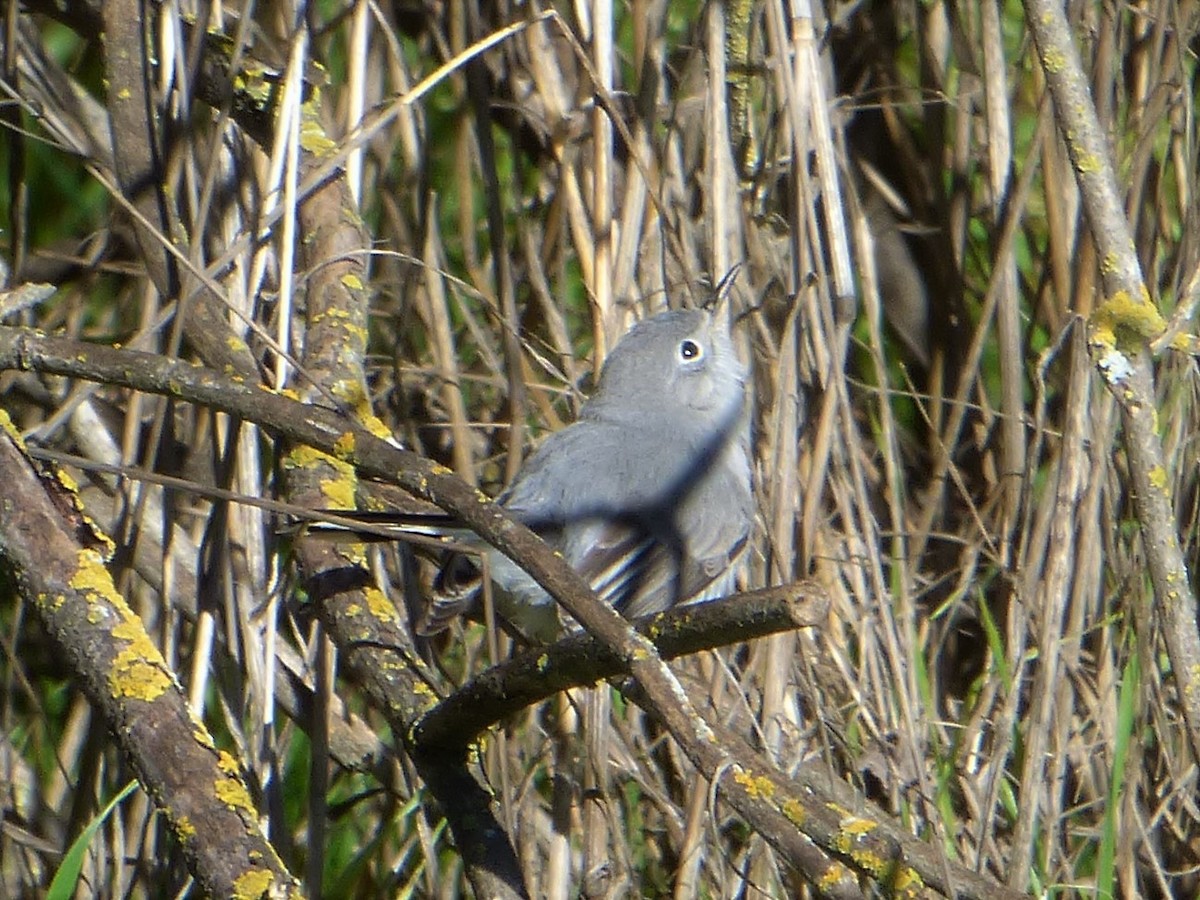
647	495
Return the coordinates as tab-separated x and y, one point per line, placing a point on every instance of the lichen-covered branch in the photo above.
57	559
1119	332
375	646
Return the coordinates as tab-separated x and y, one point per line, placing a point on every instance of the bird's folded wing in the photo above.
640	574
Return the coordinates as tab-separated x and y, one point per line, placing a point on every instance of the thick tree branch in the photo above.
57	562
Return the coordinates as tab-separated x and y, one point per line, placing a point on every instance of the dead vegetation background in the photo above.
995	673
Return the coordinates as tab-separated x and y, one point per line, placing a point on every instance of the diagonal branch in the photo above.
1119	332
57	562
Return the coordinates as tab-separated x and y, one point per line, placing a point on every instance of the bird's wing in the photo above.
641	569
640	558
454	592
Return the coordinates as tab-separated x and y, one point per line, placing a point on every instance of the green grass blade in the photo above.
67	876
1106	861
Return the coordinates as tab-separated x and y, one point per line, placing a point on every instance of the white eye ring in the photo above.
689	350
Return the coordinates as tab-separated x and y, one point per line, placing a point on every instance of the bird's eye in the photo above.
689	350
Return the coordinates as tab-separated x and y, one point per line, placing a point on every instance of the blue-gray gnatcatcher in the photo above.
647	495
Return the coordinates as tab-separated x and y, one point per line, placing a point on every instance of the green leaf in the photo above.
67	876
1126	713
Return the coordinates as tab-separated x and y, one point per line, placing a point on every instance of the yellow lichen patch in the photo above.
130	629
759	787
421	689
255	83
348	322
1158	477
856	826
203	738
868	860
352	281
227	764
1088	164
907	882
848	841
359	332
304	457
71	487
7	424
375	425
349	391
184	828
312	136
134	675
236	344
833	876
353	610
1186	343
340	491
1124	322
795	812
65	479
253	884
354	554
379	605
343	447
1053	60
233	794
94	579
